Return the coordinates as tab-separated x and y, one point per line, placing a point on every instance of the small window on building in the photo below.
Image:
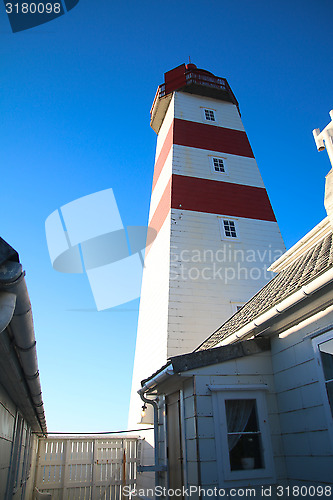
236	306
218	165
229	228
243	433
27	456
326	356
209	115
15	463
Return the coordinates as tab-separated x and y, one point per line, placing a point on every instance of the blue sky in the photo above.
75	99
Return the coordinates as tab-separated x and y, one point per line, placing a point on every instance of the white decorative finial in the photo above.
325	138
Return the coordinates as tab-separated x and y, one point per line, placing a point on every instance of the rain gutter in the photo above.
280	308
16	319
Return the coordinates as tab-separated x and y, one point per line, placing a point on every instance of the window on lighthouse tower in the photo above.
229	229
209	115
218	164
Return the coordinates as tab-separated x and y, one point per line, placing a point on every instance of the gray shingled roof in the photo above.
309	266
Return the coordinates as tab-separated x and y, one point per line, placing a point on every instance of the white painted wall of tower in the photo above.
209	275
151	344
195	162
189	107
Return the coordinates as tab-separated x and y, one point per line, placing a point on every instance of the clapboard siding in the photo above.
190	433
189	107
208	274
310	470
153	312
206	136
304	418
256	369
167	122
196	162
213	197
161	185
8	415
7	423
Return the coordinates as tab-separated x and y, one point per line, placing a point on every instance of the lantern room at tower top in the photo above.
188	78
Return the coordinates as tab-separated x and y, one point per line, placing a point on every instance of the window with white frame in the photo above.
242	435
209	115
218	164
13	482
323	349
326	357
229	229
27	456
236	306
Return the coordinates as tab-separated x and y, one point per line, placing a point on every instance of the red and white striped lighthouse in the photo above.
217	233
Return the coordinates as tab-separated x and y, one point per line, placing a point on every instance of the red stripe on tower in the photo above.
210	137
222	198
159	164
161	212
202	136
212	197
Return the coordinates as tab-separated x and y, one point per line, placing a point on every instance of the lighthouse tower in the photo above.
216	230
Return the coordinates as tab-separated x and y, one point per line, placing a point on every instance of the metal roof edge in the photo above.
303	245
216	355
293	299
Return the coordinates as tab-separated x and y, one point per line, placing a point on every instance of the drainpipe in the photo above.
7	308
156	468
150	384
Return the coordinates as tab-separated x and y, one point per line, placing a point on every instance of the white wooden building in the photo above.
252	406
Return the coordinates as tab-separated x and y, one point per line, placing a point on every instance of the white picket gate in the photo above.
87	468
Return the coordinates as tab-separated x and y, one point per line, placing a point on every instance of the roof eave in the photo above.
303	245
265	321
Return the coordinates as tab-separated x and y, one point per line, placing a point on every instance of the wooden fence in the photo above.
87	468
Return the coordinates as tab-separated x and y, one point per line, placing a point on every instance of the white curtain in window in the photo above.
238	412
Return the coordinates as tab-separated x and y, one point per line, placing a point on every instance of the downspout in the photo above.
150	384
7	308
156	468
197	444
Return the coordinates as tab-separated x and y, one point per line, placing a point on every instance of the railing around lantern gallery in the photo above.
193	77
210	81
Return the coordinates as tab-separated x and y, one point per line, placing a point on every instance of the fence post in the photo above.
123	482
93	474
66	466
40	450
